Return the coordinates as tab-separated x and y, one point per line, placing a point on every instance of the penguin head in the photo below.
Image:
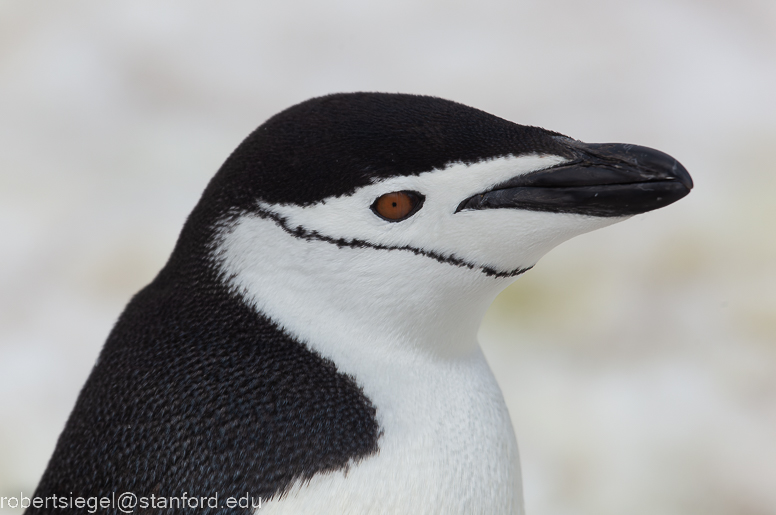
410	212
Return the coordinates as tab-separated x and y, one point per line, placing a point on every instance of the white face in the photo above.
421	279
505	240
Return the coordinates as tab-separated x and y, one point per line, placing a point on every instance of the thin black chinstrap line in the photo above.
300	232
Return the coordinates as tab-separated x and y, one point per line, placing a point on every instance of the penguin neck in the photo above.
360	302
403	326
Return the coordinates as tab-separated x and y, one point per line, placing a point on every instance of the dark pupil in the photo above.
394	204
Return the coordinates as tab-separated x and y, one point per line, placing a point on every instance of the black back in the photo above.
196	392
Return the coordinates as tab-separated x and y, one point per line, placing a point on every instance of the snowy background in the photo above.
638	362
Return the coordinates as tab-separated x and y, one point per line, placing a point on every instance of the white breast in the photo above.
447	447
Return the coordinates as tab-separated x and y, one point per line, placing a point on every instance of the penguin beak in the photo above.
606	180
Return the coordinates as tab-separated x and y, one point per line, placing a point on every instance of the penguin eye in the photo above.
398	205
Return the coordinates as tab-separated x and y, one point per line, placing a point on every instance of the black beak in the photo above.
607	179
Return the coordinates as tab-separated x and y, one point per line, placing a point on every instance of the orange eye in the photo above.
398	205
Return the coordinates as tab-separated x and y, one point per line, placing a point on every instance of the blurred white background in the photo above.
638	362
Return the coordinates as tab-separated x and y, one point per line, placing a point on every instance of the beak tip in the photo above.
683	175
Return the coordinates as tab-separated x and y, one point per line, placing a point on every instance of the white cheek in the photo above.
351	215
507	239
502	240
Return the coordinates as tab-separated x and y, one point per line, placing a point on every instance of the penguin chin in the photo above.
312	285
519	246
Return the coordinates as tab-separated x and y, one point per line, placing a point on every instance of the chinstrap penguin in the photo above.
312	339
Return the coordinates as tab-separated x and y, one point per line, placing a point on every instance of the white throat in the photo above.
407	334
